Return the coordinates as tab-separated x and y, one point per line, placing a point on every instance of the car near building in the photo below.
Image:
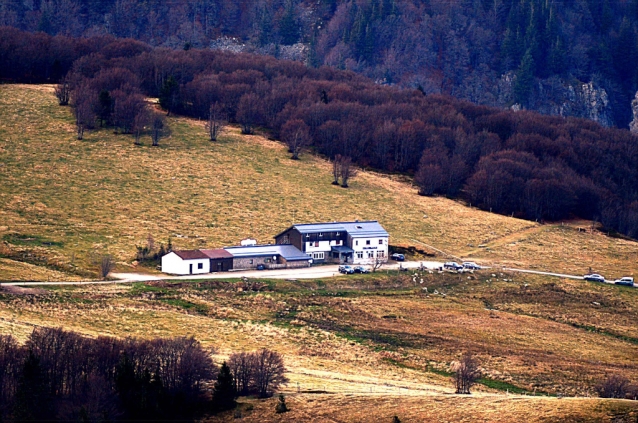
470	265
339	242
397	257
452	265
626	281
346	270
594	277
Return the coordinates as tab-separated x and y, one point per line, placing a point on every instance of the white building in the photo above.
340	242
188	262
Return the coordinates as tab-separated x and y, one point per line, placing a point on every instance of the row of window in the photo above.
368	242
318	256
380	254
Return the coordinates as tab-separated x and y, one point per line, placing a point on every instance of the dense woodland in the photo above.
519	163
458	48
57	375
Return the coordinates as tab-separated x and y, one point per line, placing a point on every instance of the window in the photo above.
356	242
380	242
320	233
251	261
367	242
318	256
200	265
370	254
316	243
380	254
359	254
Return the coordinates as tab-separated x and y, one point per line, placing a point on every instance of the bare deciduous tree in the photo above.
216	121
241	366
105	266
63	92
83	103
467	373
141	123
296	135
336	169
346	171
248	112
159	129
269	372
615	386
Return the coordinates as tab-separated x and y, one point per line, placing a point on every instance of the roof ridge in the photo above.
333	223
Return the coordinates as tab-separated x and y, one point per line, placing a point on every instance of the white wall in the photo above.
375	248
174	265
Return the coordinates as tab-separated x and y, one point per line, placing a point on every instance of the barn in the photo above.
220	260
186	262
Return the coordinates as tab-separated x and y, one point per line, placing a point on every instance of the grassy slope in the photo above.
65	200
62	200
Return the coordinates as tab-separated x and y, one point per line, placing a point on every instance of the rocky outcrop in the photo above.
555	96
633	125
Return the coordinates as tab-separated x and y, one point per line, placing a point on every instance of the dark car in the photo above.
346	270
594	277
470	265
452	265
397	257
361	269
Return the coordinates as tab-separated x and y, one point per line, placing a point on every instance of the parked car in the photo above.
261	267
470	265
627	281
594	277
346	270
397	257
452	265
361	269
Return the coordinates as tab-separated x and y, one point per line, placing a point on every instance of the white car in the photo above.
627	281
470	265
594	277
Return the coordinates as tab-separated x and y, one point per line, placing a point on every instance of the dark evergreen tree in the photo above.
224	392
169	94
524	80
288	27
33	399
105	107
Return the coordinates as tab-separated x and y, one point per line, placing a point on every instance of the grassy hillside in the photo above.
376	342
64	201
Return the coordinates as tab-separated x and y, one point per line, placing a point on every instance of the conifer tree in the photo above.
224	392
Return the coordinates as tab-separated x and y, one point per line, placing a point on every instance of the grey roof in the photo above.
288	252
370	228
341	249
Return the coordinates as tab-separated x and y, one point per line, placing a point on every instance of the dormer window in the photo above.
320	233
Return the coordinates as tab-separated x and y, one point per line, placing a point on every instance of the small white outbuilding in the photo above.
188	262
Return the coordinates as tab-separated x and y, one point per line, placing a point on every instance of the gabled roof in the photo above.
190	254
217	254
288	252
369	228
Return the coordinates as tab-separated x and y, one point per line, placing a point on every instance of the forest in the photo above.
520	163
58	375
491	52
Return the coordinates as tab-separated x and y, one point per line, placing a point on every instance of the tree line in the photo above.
519	163
460	48
57	375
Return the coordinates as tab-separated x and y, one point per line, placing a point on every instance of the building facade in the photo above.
339	242
188	262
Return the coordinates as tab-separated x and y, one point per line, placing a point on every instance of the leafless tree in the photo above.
269	372
63	92
126	108
248	112
377	264
141	123
159	129
83	103
467	373
336	169
346	171
615	386
241	366
11	357
216	121
105	266
296	135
